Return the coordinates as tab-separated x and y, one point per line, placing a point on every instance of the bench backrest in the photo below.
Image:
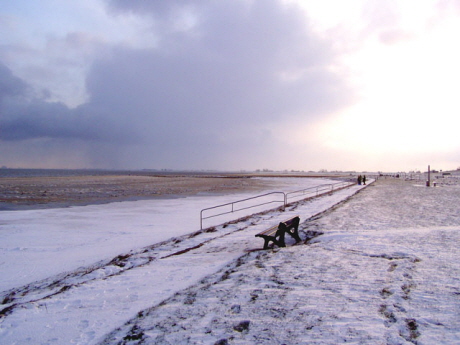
291	223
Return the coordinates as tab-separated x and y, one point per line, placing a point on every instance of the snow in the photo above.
384	271
37	244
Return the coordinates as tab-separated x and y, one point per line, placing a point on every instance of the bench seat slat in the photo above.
269	231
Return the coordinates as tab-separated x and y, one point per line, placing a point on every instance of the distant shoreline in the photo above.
39	192
25	189
27	172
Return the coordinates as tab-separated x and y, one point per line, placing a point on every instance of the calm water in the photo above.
20	173
58	172
92	172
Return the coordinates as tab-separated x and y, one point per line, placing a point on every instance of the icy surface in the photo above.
385	271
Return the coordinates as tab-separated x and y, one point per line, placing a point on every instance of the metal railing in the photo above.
301	194
317	190
232	204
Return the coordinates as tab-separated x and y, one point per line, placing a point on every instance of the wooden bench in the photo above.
276	233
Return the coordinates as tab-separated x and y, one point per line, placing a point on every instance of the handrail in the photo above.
240	209
310	190
319	188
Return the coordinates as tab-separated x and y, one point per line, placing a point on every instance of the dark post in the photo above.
428	181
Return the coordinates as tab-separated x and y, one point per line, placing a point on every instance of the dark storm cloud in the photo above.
240	66
25	116
9	84
219	74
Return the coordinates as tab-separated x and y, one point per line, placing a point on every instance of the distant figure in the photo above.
360	179
364	179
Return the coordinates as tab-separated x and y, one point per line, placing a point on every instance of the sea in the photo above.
9	172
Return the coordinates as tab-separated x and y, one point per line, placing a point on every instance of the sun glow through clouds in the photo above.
407	80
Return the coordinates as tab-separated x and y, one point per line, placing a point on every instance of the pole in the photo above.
428	182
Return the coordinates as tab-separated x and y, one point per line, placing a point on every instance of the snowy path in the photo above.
386	271
315	295
84	305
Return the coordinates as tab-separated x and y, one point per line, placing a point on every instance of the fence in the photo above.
261	200
243	207
317	190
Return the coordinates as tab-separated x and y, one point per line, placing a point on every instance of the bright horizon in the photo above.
233	85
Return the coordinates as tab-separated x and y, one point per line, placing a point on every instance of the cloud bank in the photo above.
219	86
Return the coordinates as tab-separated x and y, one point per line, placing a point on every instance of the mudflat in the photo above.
31	192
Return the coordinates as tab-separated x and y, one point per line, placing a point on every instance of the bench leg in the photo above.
292	229
267	242
295	235
268	239
281	234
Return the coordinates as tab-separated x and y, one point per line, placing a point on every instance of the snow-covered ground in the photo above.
37	244
385	271
71	275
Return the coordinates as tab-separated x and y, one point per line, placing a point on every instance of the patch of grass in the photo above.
134	334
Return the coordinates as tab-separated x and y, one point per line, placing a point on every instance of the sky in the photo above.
362	85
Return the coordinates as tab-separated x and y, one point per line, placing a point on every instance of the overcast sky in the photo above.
230	85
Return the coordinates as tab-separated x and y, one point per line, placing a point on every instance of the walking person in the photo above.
359	179
364	179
